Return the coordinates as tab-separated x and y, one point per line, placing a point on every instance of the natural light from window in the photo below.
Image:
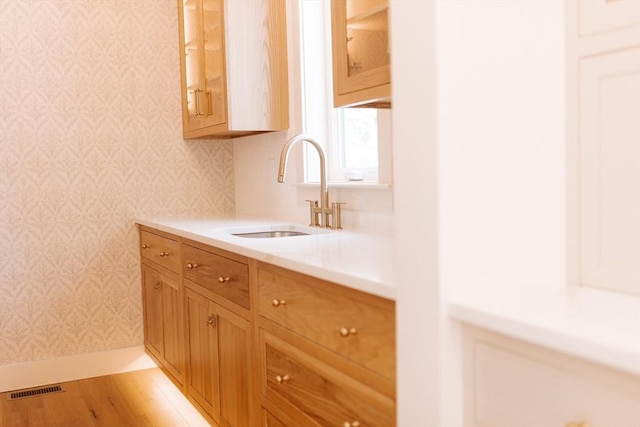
357	141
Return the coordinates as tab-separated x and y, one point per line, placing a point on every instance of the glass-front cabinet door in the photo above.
213	61
203	73
233	57
361	52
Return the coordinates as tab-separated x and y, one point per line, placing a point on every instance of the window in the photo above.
357	141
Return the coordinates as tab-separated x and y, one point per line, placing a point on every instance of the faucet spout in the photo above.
324	192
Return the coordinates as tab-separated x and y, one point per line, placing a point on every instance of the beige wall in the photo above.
90	137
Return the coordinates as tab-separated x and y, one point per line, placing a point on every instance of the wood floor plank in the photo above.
136	399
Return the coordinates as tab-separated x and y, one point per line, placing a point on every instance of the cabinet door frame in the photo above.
362	88
601	49
206	120
228	368
152	304
207	339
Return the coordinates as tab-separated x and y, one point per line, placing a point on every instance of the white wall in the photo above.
500	78
479	174
256	159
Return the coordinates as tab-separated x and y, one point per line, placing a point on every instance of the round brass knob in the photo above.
145	246
192	266
163	254
211	320
223	279
345	332
278	302
282	379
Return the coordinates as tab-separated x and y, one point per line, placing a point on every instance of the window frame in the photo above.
320	120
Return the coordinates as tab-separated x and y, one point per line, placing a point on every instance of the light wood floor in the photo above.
140	398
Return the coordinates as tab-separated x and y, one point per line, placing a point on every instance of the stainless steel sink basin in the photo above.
270	231
270	234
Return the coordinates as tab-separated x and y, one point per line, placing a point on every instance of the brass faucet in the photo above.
323	215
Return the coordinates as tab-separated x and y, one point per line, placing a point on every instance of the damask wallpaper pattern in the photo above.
90	137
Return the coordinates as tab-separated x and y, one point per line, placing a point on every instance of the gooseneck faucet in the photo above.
323	211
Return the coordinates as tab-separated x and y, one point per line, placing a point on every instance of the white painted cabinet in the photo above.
603	128
609	177
512	383
597	17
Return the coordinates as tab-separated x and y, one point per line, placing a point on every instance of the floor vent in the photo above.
35	392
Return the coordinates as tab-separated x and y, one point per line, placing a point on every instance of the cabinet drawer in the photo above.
358	326
269	420
523	385
223	276
319	393
160	250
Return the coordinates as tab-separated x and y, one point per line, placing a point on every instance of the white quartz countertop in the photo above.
359	260
596	325
589	323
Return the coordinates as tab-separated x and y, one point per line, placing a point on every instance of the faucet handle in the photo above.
336	219
313	213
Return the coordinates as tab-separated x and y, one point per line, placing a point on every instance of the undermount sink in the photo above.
270	234
272	231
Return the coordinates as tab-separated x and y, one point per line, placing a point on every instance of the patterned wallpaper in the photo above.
90	137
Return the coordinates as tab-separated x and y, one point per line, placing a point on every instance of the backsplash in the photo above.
258	193
90	137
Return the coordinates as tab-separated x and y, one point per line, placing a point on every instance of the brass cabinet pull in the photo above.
345	332
351	424
196	95
156	286
145	246
164	254
212	320
282	379
278	302
209	105
224	279
193	266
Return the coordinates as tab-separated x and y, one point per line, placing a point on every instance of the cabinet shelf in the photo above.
365	14
373	21
362	8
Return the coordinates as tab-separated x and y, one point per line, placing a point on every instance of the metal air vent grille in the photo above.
35	392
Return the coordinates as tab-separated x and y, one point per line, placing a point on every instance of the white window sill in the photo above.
354	185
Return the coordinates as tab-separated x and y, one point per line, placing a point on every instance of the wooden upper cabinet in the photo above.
361	53
233	67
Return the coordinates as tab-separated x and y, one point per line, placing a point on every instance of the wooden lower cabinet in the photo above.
327	352
270	420
162	321
218	348
317	393
251	344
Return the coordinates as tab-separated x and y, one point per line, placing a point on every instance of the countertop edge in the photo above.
353	281
620	351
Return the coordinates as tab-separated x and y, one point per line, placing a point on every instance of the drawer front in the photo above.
324	395
224	276
268	420
361	329
160	250
517	390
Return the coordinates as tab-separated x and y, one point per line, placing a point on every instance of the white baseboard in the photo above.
42	372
